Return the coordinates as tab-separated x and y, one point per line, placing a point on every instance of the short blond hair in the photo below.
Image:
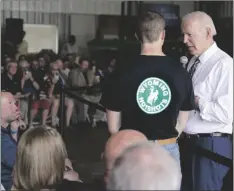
150	26
40	160
203	19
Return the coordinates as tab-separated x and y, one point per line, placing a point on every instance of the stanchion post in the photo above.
62	103
30	100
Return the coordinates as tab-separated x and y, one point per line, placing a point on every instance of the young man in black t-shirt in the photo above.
154	95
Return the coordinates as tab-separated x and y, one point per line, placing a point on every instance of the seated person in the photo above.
82	76
82	79
40	100
10	81
42	64
13	80
63	70
28	83
55	81
41	161
28	86
38	70
9	137
116	144
71	58
145	166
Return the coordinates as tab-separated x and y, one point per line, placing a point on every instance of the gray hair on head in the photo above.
203	18
145	166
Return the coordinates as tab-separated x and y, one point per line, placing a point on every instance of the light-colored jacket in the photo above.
76	78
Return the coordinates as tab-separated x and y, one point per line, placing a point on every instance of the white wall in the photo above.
66	6
84	28
83	25
59	19
110	7
83	14
185	7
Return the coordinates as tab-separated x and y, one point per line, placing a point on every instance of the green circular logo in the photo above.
153	95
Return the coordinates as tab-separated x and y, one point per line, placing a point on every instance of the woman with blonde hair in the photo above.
40	162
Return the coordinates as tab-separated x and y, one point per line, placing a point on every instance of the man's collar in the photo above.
208	53
10	76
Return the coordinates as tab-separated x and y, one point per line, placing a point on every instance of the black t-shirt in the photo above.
149	94
11	85
38	76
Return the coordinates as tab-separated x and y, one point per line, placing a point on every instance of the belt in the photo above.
167	141
203	135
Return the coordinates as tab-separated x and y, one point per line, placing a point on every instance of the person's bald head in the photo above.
145	166
117	143
9	110
5	96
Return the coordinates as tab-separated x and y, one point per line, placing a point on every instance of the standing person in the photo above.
154	95
22	48
9	134
210	125
70	47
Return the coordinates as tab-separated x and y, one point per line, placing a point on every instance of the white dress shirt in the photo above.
69	49
2	188
213	84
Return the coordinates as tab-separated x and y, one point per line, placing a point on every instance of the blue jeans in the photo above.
173	149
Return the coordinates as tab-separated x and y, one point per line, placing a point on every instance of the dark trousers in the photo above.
201	173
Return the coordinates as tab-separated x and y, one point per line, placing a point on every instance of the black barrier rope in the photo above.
199	150
212	156
81	99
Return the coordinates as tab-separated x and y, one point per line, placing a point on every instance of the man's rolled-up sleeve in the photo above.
220	109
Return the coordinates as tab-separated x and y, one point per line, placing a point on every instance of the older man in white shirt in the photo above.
210	125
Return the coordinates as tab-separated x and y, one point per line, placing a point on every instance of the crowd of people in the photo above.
35	82
155	110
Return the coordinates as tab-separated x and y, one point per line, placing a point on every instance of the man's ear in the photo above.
163	34
208	33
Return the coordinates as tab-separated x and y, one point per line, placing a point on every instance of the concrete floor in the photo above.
85	145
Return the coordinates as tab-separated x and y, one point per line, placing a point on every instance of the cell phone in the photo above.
26	71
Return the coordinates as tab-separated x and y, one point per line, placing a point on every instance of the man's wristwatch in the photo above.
13	132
